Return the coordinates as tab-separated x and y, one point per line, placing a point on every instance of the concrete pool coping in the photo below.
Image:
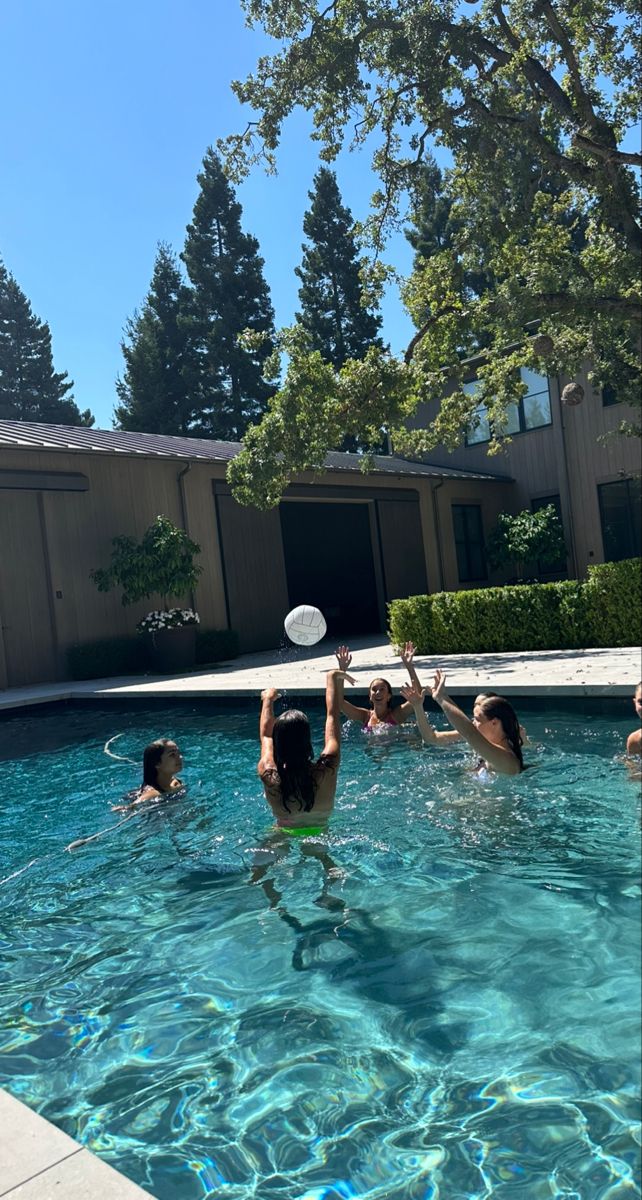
538	673
40	1162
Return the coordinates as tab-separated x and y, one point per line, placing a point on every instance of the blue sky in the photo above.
105	114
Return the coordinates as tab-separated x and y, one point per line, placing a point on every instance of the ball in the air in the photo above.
305	625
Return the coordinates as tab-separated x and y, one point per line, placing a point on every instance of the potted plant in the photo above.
527	537
161	564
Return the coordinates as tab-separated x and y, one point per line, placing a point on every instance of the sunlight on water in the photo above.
437	1000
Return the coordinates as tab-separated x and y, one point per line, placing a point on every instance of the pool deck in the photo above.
39	1162
300	670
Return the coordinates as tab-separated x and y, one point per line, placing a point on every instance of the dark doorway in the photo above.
329	563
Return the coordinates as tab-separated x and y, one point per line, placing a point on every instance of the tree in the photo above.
527	537
162	563
230	295
159	387
30	389
531	102
333	308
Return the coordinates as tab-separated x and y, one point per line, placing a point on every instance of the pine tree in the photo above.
230	295
331	291
30	389
158	391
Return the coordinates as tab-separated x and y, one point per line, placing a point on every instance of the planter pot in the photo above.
172	650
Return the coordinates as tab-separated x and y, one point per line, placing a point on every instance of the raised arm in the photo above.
353	711
333	709
502	759
414	698
406	709
266	725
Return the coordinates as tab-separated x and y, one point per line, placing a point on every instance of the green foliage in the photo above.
107	657
229	295
158	391
162	563
527	537
30	389
602	611
614	590
531	103
214	645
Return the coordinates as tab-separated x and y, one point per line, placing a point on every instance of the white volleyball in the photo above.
305	625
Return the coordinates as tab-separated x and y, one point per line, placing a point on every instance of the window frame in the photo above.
631	503
519	405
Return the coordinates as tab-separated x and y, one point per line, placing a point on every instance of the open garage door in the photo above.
329	562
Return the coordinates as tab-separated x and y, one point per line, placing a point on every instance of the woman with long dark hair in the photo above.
300	790
494	732
161	760
381	711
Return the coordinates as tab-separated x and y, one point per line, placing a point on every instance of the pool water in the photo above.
437	1000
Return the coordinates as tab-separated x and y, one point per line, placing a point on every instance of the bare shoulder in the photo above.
634	742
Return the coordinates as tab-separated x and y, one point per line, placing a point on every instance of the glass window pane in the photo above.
469	542
534	382
537	410
609	395
620	517
479	428
511	423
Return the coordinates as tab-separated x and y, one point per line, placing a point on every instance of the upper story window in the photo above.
533	411
609	396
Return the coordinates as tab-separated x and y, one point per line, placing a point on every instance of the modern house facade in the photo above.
346	541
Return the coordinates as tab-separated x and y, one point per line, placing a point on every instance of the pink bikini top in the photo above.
389	720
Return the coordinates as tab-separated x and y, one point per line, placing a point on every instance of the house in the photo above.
345	541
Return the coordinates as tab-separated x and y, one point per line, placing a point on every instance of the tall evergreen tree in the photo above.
230	295
30	389
158	391
331	291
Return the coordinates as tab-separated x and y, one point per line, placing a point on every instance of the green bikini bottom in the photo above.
303	830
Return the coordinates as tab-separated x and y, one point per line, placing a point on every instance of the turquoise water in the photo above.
439	1000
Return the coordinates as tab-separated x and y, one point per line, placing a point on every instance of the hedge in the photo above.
604	610
107	657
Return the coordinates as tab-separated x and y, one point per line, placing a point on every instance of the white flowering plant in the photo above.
167	618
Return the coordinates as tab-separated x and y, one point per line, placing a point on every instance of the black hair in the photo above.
293	758
497	707
152	755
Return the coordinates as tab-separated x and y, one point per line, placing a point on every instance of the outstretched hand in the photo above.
343	657
414	695
439	692
343	675
270	694
407	653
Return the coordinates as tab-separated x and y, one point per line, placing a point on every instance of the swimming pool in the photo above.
441	1002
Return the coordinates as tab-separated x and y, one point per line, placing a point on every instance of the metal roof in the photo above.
32	436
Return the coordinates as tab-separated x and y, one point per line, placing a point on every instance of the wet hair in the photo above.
380	679
293	759
497	707
638	689
152	755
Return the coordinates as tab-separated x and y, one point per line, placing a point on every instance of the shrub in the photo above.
106	657
213	645
603	611
614	591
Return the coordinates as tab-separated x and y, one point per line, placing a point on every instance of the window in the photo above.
469	542
609	396
479	428
559	567
620	517
533	411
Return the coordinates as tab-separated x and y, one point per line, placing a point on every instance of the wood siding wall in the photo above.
564	458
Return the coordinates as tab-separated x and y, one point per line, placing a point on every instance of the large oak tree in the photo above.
531	101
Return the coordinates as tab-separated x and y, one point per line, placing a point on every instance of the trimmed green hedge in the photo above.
602	611
107	657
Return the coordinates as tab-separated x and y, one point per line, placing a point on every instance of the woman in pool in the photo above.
380	694
634	740
299	790
161	760
444	737
494	732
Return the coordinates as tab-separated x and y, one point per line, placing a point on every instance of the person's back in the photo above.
299	790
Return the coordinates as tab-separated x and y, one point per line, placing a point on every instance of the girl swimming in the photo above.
380	694
494	732
444	737
299	790
161	760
